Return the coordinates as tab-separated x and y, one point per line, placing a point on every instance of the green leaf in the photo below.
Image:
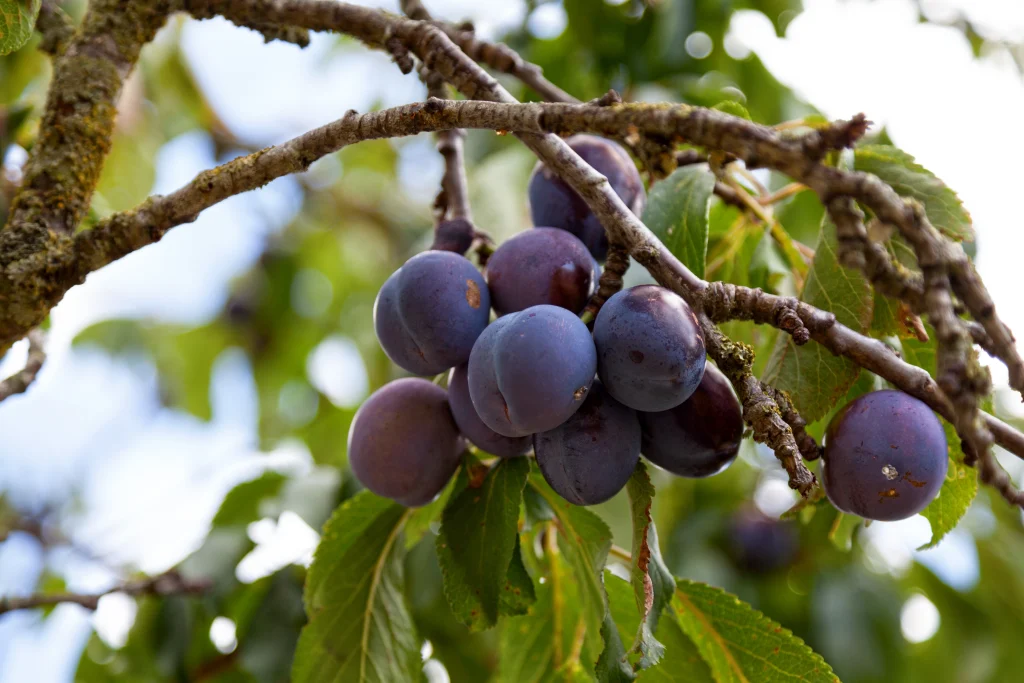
739	643
17	20
423	518
682	662
814	377
677	212
476	542
843	527
652	582
956	495
242	504
613	666
517	594
585	539
541	645
897	168
359	625
734	108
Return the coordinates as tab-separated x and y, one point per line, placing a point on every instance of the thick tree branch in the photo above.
55	26
65	162
19	382
168	583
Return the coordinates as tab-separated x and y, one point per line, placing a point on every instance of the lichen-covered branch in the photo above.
64	165
55	27
19	382
169	583
760	409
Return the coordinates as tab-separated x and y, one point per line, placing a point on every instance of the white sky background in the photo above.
150	479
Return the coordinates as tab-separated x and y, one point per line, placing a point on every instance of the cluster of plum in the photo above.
588	404
536	377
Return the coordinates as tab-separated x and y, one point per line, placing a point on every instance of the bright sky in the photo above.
960	117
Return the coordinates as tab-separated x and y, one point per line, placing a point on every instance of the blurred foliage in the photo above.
316	282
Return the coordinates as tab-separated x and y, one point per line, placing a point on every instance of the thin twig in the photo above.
169	583
20	381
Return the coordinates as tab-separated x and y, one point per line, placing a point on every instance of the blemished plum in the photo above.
762	544
885	456
650	349
403	443
540	266
590	457
470	424
430	312
556	205
531	370
701	436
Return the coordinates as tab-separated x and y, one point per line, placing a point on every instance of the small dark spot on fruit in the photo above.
579	393
636	356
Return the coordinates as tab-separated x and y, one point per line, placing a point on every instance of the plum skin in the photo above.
403	443
885	456
699	437
540	266
531	370
470	424
762	544
590	457
650	349
554	204
429	313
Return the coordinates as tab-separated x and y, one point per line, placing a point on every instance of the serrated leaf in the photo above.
17	20
740	644
651	580
897	168
814	377
682	662
242	504
956	495
678	209
585	539
478	535
612	666
359	626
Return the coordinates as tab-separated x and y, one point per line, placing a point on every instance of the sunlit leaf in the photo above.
813	376
897	168
359	625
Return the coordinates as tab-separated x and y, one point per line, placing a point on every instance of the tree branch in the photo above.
799	156
65	162
168	583
19	382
